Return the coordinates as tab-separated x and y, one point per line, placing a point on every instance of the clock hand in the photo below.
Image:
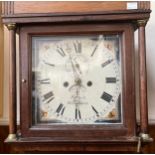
76	76
78	83
78	67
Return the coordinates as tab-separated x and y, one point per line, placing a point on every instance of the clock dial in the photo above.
77	79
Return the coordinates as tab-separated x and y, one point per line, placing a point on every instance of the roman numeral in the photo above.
52	65
48	95
106	63
60	110
95	111
110	79
61	51
49	100
107	97
44	81
78	47
77	114
94	50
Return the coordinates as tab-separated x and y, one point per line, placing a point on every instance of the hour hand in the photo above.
78	67
47	63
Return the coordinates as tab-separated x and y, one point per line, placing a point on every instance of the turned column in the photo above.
143	82
142	77
12	82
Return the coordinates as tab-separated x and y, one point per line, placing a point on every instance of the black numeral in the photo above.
60	110
107	97
44	81
77	47
106	63
110	80
52	65
48	95
95	111
94	50
50	100
61	51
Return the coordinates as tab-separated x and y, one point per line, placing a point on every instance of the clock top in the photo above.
26	12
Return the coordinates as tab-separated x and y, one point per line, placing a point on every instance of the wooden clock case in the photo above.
75	18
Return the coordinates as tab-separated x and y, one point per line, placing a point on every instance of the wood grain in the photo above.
62	7
48	18
4	131
143	79
29	12
10	7
29	148
45	12
12	81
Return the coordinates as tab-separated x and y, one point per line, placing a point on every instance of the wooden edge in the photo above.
115	12
9	8
72	147
48	140
1	63
79	18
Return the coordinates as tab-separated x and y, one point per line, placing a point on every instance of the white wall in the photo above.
150	40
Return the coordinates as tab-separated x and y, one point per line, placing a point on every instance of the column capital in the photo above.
142	22
11	26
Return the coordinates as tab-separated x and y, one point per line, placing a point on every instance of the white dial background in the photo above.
78	80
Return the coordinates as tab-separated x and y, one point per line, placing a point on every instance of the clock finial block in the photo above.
11	26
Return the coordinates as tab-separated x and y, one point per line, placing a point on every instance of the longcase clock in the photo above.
77	75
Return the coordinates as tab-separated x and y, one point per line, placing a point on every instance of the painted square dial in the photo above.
76	79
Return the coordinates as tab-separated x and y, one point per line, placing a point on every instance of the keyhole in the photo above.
89	83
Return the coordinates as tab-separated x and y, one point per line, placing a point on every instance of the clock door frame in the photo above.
125	131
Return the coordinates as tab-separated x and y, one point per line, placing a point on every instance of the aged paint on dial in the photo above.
79	79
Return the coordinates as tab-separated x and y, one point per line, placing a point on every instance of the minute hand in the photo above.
74	69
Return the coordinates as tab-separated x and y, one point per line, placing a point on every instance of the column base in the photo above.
11	138
146	137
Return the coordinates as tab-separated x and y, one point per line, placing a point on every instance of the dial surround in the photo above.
78	79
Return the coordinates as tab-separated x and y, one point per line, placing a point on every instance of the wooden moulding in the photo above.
28	147
72	147
82	132
15	7
45	12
